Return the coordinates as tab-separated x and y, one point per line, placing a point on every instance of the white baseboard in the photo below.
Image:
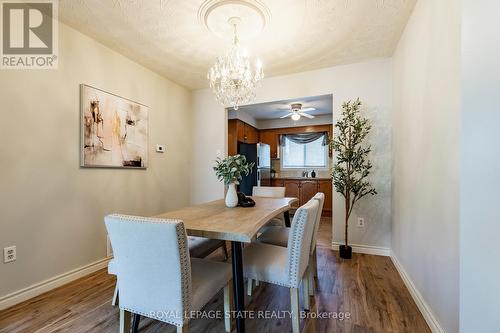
417	297
52	283
366	249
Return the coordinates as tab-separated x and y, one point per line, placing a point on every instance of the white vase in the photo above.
231	196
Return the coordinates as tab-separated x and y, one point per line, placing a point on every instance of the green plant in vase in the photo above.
352	166
231	170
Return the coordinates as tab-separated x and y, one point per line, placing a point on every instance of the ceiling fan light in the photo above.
295	116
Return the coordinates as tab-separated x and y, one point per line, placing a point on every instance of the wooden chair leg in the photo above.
125	317
249	287
114	301
227	307
294	301
305	290
183	329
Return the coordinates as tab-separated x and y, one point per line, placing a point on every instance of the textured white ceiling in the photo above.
167	37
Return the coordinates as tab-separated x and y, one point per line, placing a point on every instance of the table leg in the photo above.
135	323
238	285
287	219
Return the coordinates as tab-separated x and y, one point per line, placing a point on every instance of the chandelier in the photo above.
232	78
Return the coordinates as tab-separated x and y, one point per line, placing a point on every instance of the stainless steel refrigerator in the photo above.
260	154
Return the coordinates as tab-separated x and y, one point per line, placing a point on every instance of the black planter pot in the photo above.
345	252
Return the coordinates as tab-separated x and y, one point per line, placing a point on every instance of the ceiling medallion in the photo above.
232	78
214	15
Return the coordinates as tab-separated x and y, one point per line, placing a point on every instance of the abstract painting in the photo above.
114	130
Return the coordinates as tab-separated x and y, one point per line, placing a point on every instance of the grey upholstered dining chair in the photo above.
285	266
157	277
279	236
277	221
271	192
199	247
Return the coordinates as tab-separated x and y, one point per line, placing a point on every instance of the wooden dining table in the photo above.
237	225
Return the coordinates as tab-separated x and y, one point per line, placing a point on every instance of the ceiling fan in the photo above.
296	111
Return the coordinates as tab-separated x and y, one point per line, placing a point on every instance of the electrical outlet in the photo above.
9	254
361	222
160	148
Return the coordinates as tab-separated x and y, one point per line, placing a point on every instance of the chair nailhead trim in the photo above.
296	238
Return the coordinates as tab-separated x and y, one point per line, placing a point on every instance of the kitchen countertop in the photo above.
302	178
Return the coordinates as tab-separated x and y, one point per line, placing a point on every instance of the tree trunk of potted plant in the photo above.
345	251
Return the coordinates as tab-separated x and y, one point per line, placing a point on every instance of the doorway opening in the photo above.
289	142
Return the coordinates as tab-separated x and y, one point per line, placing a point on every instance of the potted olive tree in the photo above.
352	166
230	170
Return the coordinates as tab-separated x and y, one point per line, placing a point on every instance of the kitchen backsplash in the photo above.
280	173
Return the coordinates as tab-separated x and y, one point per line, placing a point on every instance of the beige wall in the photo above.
371	81
479	166
52	209
209	128
426	156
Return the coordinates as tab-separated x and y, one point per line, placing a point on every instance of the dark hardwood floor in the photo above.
367	287
325	233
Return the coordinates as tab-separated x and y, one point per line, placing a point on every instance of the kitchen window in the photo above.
304	150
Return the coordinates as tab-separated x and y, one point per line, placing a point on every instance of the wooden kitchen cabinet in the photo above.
325	186
308	189
239	131
232	138
271	138
305	189
292	189
251	134
246	133
276	182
